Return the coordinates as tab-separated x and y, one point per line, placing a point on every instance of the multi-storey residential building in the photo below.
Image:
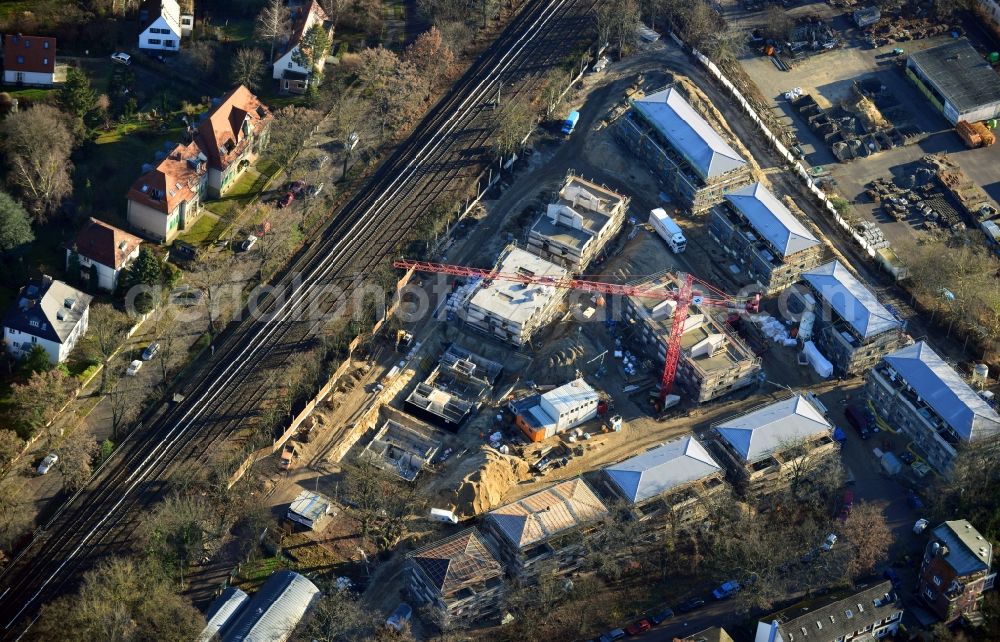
513	311
714	360
687	155
768	243
871	613
459	577
48	313
29	60
762	448
288	70
955	571
167	198
914	390
576	228
231	136
162	25
851	327
671	480
102	252
548	525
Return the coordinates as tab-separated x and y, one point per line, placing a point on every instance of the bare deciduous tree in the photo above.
37	401
76	457
272	24
37	145
248	67
105	333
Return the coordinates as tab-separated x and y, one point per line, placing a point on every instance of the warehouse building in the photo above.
556	411
672	479
957	81
687	155
852	329
764	447
513	311
272	614
576	228
714	361
915	391
767	242
458	576
551	524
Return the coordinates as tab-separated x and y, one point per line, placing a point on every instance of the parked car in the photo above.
846	504
920	526
150	351
316	189
46	465
185	250
399	617
858	419
286	200
693	604
829	542
133	368
321	161
122	58
186	295
726	589
248	243
638	627
913	501
663	615
893	577
907	457
614	634
921	469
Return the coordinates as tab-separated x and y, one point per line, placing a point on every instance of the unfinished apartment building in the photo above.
764	447
578	225
456	386
714	361
459	577
685	153
851	328
403	446
669	482
769	245
548	525
512	311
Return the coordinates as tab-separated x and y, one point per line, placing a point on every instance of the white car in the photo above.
133	367
50	460
831	539
248	243
122	57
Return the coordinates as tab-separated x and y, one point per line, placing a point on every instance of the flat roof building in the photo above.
672	477
916	391
767	242
957	80
512	311
309	509
852	328
714	361
459	576
578	225
762	446
530	530
558	410
684	151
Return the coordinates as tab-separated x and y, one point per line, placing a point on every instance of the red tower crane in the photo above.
683	297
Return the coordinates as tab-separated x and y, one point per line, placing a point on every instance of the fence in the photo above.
821	197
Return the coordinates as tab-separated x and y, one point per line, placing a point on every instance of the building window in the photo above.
45	44
168	43
27	44
937	580
45	61
289	65
20	60
154	41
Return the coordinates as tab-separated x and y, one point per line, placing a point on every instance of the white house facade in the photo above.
163	31
102	252
48	313
291	76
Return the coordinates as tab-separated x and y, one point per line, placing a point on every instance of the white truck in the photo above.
668	230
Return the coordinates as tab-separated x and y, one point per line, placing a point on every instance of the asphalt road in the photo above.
448	144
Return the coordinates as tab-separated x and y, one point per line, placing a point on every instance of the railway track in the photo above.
448	145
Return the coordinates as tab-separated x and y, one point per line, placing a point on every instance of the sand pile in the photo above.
483	488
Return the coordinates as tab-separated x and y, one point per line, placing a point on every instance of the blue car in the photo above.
893	577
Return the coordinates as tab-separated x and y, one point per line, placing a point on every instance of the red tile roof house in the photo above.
29	60
103	251
167	198
291	76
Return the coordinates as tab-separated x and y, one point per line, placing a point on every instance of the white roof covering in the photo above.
944	390
851	299
310	505
689	133
772	219
662	468
274	610
570	395
518	302
221	611
757	434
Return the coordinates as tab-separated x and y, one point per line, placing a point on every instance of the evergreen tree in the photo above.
15	226
76	97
